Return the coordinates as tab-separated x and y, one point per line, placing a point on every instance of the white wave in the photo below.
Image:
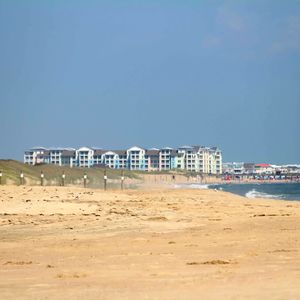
199	186
255	194
192	186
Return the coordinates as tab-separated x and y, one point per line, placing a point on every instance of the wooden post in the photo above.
122	180
84	180
105	179
0	177
63	176
21	178
42	178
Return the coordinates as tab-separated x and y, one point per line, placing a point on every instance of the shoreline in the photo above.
256	194
113	185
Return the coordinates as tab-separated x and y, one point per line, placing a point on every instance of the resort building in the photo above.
85	157
234	168
98	157
249	168
180	161
167	159
68	158
55	156
136	158
122	158
260	170
287	169
264	169
198	159
152	159
35	156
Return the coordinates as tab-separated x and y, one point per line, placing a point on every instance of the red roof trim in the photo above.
263	165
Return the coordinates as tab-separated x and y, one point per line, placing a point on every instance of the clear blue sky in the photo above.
114	74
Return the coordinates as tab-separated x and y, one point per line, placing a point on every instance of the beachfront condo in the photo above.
200	159
136	158
152	159
85	157
54	156
167	159
197	159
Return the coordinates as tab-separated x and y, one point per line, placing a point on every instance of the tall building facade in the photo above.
198	159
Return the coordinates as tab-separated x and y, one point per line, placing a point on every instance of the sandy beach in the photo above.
75	243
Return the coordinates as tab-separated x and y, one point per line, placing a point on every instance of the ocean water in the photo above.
285	191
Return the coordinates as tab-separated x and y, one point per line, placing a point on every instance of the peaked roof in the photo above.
85	149
109	152
166	148
135	148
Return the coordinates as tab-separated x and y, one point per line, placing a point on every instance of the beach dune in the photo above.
75	243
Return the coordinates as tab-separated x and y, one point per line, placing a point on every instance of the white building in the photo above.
200	159
136	158
33	156
167	159
85	157
111	159
68	158
234	168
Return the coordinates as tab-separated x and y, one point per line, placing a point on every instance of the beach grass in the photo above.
11	170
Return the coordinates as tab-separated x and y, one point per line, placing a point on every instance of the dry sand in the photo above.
72	243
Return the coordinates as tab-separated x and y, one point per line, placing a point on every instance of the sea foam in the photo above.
192	186
255	194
